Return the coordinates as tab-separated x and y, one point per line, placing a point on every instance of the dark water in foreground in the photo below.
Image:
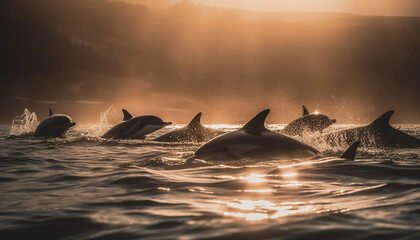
88	188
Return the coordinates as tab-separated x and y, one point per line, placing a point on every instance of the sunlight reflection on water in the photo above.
255	210
261	208
255	178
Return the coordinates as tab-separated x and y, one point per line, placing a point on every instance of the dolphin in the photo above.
135	127
193	132
378	134
254	140
54	126
312	122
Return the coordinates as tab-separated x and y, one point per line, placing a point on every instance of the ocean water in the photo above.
85	187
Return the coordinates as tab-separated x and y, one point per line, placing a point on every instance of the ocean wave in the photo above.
86	187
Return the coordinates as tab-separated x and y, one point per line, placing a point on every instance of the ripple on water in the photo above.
137	181
92	188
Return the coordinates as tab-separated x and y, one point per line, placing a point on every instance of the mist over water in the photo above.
84	187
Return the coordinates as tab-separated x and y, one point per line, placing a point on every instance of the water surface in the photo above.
85	187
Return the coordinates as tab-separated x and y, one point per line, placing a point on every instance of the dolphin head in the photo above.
143	125
331	121
155	121
321	121
54	126
62	121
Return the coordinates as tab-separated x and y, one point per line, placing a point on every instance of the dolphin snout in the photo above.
166	123
162	124
71	124
333	121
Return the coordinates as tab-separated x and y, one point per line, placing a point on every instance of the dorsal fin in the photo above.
305	111
127	115
51	112
256	125
383	120
196	120
350	153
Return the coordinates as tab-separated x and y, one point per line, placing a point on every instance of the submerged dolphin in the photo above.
54	126
135	127
378	134
312	122
254	141
193	132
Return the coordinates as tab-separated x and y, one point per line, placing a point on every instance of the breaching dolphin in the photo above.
378	134
54	126
135	127
313	122
193	132
254	140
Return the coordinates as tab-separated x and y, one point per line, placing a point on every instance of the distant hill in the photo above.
154	4
288	16
30	47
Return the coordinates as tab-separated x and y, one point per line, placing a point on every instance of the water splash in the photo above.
316	140
103	119
103	125
24	124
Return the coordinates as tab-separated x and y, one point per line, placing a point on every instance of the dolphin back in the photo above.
308	123
254	141
136	127
379	134
241	144
193	132
383	120
350	153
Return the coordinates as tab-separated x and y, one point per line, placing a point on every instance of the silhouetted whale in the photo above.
308	122
135	127
193	132
378	134
254	141
54	126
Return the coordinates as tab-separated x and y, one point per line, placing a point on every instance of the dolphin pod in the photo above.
54	126
254	140
312	122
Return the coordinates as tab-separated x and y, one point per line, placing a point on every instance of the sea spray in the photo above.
24	124
103	125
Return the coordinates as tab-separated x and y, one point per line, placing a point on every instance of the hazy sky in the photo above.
365	7
80	57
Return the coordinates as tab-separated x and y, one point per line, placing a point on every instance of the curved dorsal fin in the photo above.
305	111
51	112
256	125
383	120
127	115
350	153
195	121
